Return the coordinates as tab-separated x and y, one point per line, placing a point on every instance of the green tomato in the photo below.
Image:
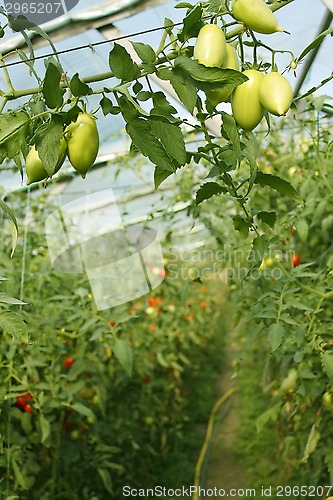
83	143
256	15
327	399
247	109
275	93
289	383
210	47
34	166
230	62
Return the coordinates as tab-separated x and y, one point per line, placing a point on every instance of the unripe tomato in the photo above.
290	381
275	93
256	15
246	106
83	143
230	62
34	167
210	47
327	399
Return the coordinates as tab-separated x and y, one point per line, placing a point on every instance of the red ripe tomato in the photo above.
28	408
296	259
68	361
21	402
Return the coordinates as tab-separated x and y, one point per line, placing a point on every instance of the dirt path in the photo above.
224	470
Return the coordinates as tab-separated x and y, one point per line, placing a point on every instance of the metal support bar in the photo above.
312	55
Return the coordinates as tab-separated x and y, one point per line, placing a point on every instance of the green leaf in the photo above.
260	246
108	107
302	229
192	24
106	479
184	87
122	65
145	52
162	105
276	334
47	141
18	475
229	78
11	123
317	41
14	325
124	354
78	87
144	139
171	138
280	185
208	190
160	175
230	129
241	225
52	91
13	221
7	299
270	414
327	364
45	428
311	444
268	218
84	410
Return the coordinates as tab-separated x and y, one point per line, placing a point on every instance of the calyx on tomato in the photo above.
275	93
256	15
246	107
82	143
210	47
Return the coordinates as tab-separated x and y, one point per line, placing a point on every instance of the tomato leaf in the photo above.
171	138
160	175
276	334
327	363
122	65
314	43
241	225
45	428
7	299
124	354
270	414
144	139
13	221
145	52
47	141
78	87
14	325
52	91
162	105
230	128
280	185
108	107
302	229
84	410
311	444
268	218
184	87
192	24
230	78
208	190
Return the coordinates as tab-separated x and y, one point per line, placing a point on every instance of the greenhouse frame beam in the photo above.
312	55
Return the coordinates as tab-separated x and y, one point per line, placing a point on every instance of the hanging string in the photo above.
24	255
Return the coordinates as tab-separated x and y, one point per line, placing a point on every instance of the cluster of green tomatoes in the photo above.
80	143
261	92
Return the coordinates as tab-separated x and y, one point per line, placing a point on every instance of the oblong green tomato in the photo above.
275	93
256	15
34	166
246	107
230	62
82	143
210	46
